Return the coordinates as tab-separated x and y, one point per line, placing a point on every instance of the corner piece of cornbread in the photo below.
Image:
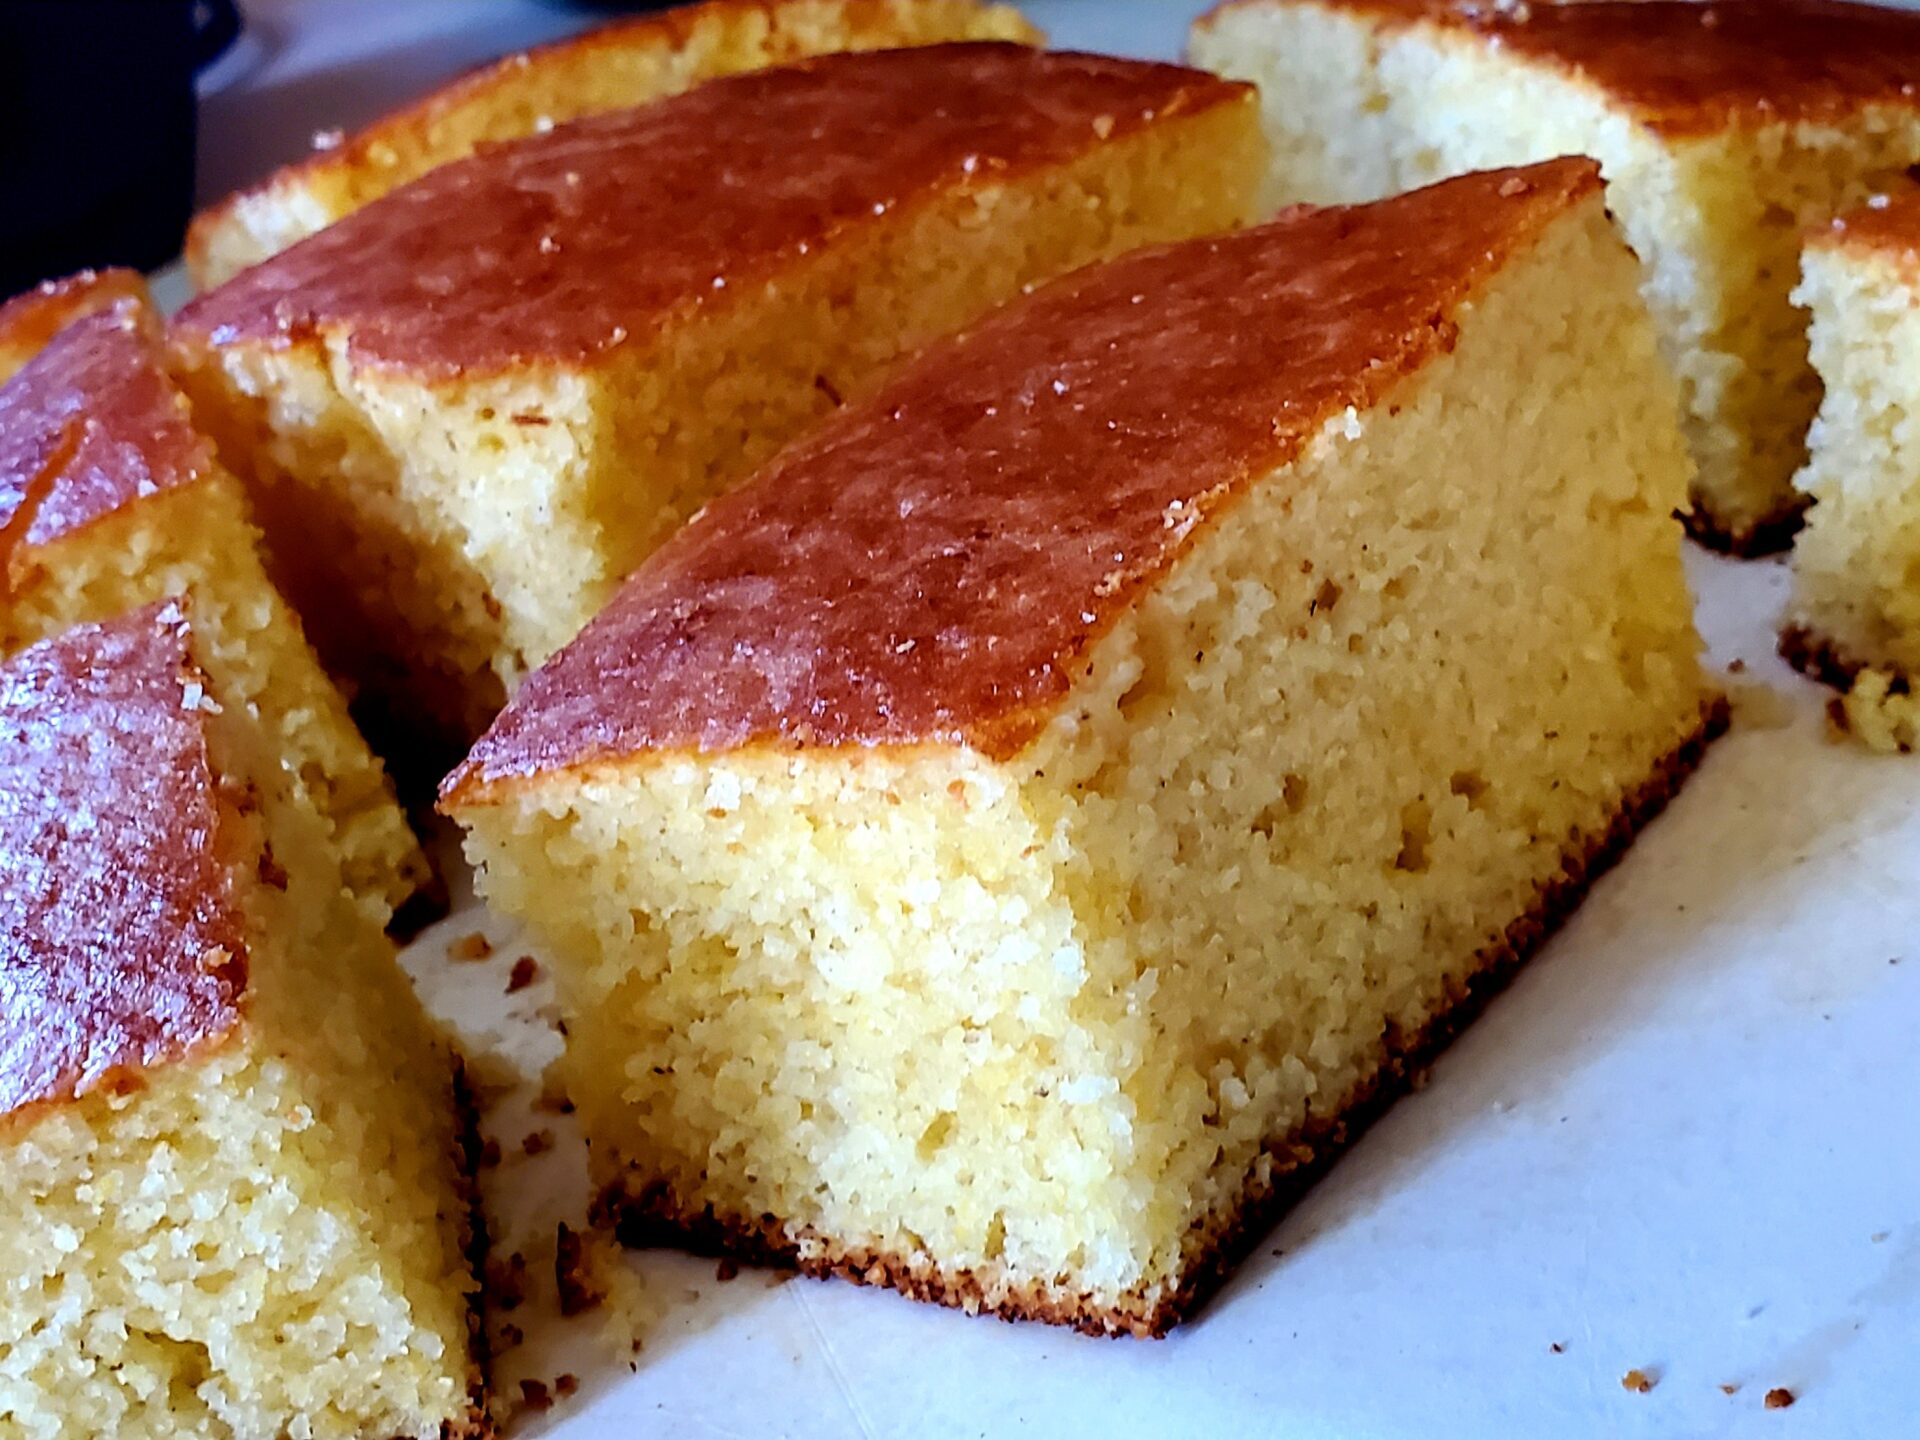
234	1171
1008	845
110	498
1854	616
609	68
30	320
1724	131
471	407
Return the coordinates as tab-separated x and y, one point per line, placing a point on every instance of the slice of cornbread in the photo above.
233	1176
1724	131
29	321
109	498
610	68
1854	619
1004	847
474	405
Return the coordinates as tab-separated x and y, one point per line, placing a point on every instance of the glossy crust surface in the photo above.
1686	68
1888	229
30	320
122	943
92	423
655	1217
930	564
561	246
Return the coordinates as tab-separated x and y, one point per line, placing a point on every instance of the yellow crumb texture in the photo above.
453	534
1355	112
266	1237
200	540
1856	567
608	69
1031	1032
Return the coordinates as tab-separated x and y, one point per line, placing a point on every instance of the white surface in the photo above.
1685	1141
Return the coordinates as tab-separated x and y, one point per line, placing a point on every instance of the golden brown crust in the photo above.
561	247
1886	228
1764	537
29	321
1217	1243
122	940
495	102
104	375
932	564
1683	68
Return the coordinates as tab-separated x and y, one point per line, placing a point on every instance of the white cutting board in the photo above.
1684	1142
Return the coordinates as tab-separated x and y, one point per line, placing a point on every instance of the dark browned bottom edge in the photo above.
1819	658
1766	537
477	1423
656	1218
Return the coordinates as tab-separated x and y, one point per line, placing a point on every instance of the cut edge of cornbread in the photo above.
1289	1167
611	67
1171	925
1853	618
199	536
1361	103
441	606
290	1171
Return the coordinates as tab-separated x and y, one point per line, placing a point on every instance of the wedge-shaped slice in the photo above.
474	405
29	321
610	68
233	1176
997	850
1854	619
1724	130
109	498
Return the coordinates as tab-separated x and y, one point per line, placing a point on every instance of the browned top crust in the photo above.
121	942
631	58
560	246
930	565
29	321
1886	226
91	423
1684	68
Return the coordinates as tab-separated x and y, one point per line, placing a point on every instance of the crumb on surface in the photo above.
553	1096
490	1154
470	947
1637	1380
1779	1398
534	1395
575	1273
1557	1348
566	1384
727	1269
537	1143
525	970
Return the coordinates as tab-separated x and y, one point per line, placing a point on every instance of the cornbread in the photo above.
1854	619
1724	130
1003	848
29	321
475	404
609	68
231	1190
109	498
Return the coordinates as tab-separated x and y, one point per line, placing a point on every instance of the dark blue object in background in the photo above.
97	130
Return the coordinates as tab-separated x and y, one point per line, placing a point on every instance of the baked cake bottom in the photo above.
1767	537
1876	704
1288	1167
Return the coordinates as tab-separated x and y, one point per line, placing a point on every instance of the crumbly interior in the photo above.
1039	1025
199	540
446	537
1354	114
267	1237
565	84
1856	568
